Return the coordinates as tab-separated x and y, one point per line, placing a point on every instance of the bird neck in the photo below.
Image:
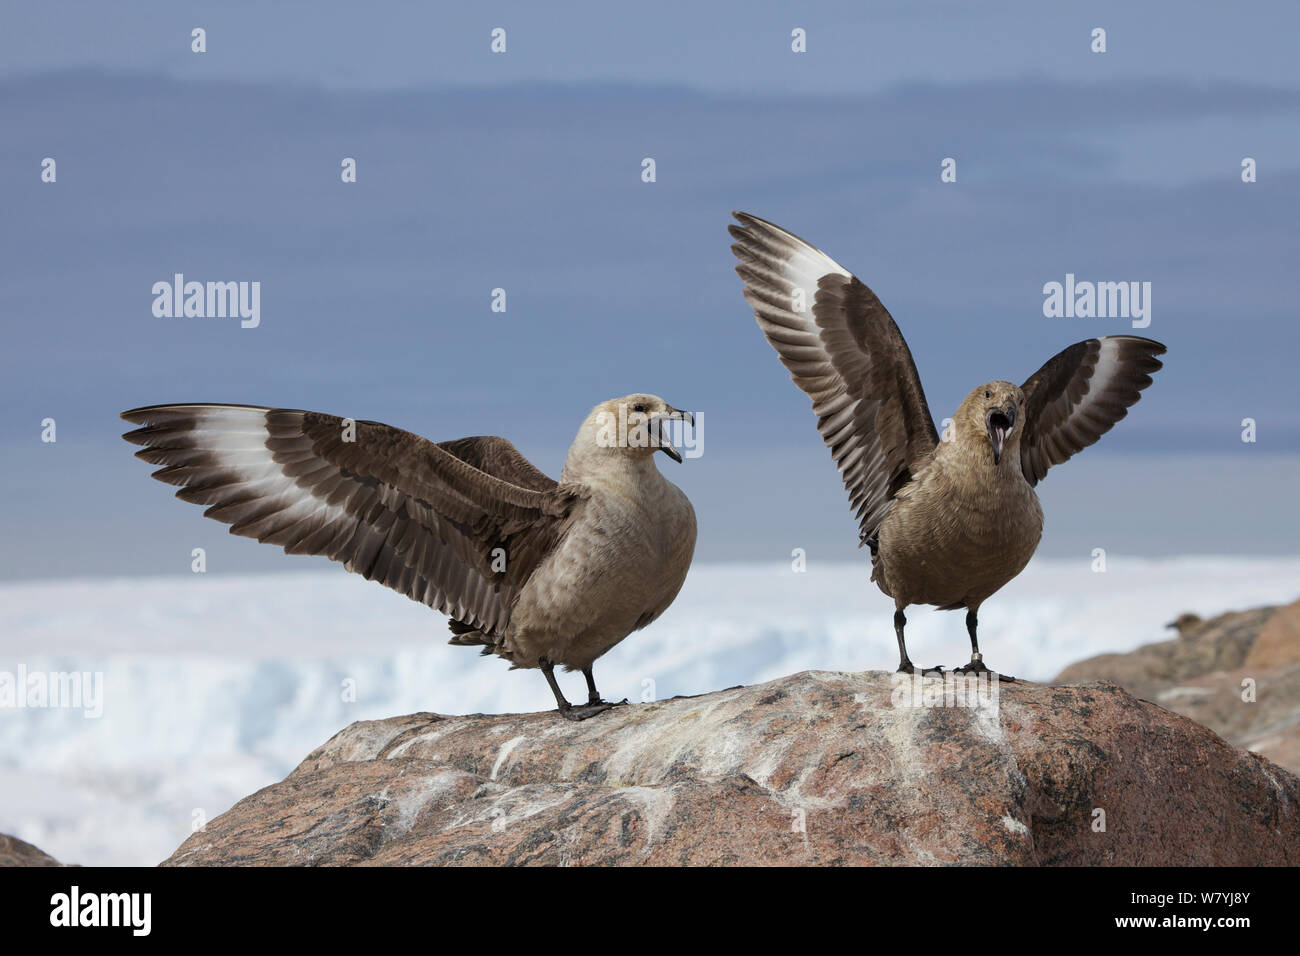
977	457
611	469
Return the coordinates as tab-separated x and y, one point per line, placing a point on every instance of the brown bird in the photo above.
949	521
539	572
1185	624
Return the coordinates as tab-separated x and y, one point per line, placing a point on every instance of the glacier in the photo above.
216	685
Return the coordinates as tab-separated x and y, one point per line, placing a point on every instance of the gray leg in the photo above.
548	669
904	663
594	704
976	665
593	695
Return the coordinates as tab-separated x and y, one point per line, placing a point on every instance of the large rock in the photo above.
816	768
1278	643
16	852
1239	674
1206	647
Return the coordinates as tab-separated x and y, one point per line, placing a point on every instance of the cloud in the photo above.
376	295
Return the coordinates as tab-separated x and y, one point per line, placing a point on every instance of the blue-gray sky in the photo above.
522	171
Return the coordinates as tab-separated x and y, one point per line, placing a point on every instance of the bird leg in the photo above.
593	695
594	704
976	665
905	665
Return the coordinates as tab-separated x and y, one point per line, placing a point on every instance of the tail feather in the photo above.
467	635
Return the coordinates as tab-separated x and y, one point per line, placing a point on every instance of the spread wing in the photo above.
1079	395
421	518
843	349
500	459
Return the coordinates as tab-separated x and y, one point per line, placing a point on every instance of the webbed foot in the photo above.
978	667
590	709
907	667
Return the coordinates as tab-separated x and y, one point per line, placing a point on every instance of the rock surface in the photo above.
15	852
815	768
1201	675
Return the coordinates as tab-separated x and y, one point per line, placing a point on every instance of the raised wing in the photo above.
420	518
500	459
1080	394
843	349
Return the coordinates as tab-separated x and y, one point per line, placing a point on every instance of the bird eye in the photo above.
638	408
986	394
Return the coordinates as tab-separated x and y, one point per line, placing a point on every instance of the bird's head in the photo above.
1185	623
994	415
634	426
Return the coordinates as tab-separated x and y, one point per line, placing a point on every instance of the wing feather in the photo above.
419	517
1079	395
845	352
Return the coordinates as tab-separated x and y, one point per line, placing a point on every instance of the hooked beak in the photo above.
1000	422
674	414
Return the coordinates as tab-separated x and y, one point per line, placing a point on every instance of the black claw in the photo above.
907	667
978	667
591	709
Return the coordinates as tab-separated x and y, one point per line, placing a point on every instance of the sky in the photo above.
522	171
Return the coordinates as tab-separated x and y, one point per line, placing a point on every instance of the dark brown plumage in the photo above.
1069	405
418	517
948	522
469	527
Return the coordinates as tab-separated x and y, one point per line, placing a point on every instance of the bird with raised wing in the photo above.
949	521
543	573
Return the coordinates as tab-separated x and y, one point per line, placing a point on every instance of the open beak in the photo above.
673	414
1001	422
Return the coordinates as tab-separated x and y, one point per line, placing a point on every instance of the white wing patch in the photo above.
236	438
804	269
1107	371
